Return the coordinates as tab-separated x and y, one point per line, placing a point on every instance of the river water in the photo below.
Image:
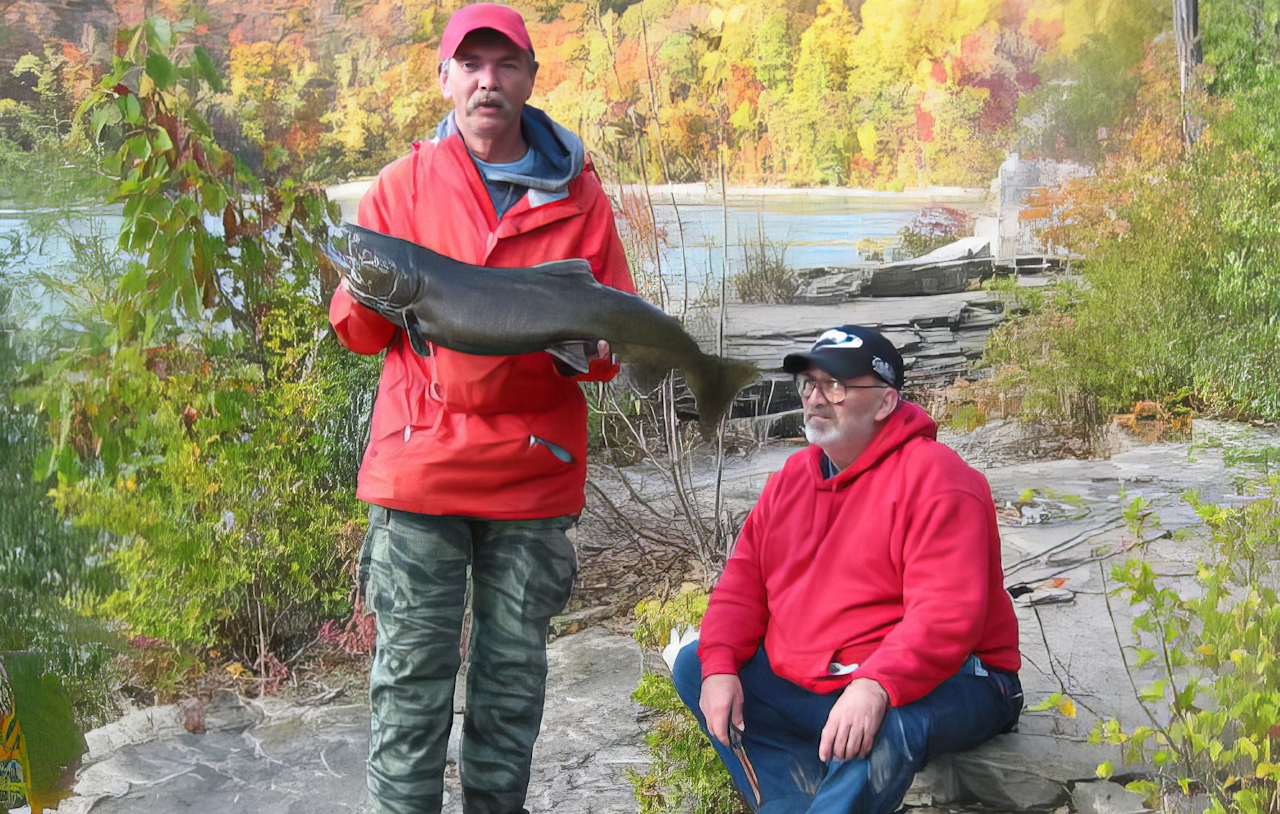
813	227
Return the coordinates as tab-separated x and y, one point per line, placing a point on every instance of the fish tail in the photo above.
715	384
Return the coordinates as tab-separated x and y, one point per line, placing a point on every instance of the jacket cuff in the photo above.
600	370
361	329
717	660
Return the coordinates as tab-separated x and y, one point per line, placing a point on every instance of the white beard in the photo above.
821	435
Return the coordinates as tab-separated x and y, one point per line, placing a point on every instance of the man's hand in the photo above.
721	702
854	721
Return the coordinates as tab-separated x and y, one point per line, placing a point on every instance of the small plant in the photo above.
933	228
1060	702
1137	514
967	418
765	277
1213	709
686	775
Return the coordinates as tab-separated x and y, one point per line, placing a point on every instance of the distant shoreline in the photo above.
708	194
348	194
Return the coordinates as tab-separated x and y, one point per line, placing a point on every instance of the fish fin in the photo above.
572	353
566	268
643	376
715	384
416	340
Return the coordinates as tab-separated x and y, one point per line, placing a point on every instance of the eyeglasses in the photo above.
833	390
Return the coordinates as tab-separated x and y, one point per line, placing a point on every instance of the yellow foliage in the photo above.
867	140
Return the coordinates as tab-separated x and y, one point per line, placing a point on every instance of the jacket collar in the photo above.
524	216
564	151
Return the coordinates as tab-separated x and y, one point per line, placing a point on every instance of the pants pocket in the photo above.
551	585
1011	691
375	534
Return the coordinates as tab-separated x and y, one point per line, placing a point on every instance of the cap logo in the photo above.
883	369
839	339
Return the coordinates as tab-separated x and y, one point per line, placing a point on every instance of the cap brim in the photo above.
837	364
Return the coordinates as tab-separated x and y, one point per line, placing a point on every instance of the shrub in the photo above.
933	228
686	776
1214	707
48	568
1178	294
205	424
765	277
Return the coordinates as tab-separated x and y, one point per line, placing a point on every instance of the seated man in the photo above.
861	626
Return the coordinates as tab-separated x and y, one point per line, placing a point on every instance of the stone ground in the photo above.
275	756
270	755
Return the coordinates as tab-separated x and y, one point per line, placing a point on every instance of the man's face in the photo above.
488	80
853	420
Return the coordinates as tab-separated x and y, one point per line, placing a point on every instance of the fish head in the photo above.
334	261
373	277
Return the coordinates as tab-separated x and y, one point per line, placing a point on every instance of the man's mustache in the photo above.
479	99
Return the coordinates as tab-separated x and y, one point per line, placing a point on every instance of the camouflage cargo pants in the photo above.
414	569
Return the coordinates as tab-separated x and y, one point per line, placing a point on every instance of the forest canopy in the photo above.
880	93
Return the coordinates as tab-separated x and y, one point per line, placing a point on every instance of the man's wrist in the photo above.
872	685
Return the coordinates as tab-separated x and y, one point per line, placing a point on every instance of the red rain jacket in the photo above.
893	565
463	447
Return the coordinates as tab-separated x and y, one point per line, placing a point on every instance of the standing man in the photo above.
861	625
474	461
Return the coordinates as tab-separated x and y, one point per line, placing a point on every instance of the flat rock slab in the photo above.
270	756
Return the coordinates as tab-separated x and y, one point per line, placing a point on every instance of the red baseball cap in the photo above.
504	20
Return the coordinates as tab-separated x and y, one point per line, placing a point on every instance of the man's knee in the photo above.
687	675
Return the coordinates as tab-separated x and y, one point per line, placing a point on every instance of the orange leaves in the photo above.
1046	32
924	125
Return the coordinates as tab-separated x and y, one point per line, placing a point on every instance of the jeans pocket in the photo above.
1011	691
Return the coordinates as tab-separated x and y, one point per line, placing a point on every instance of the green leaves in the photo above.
159	34
1215	651
161	71
206	70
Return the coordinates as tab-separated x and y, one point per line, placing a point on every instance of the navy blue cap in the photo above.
850	351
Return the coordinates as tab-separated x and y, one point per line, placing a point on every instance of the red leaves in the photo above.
924	125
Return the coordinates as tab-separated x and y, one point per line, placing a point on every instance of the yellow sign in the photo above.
14	767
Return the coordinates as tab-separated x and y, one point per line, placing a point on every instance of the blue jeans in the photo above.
783	726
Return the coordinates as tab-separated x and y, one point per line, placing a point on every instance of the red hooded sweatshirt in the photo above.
893	565
455	435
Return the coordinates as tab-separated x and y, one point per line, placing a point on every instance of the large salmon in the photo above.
557	307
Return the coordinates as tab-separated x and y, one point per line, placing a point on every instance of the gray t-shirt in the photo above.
506	194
